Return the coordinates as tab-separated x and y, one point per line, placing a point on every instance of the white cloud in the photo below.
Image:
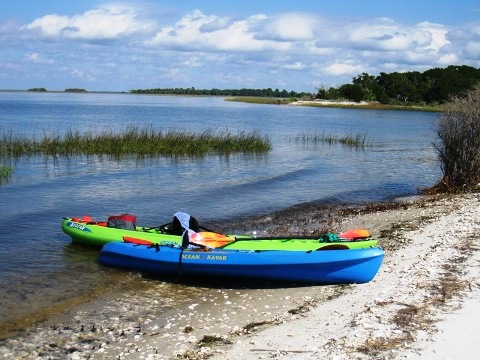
379	35
193	61
189	34
341	69
437	33
121	44
79	74
382	44
36	58
176	74
472	48
288	27
296	66
9	66
465	43
385	34
448	59
98	24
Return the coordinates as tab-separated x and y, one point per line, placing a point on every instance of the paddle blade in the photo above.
354	234
210	239
133	240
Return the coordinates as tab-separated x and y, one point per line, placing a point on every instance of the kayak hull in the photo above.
98	235
320	267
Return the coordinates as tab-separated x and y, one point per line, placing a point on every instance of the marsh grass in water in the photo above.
5	172
356	140
262	100
135	141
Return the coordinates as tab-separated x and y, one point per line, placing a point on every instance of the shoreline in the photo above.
426	275
340	104
420	305
364	105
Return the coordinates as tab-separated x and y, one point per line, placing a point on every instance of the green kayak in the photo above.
92	233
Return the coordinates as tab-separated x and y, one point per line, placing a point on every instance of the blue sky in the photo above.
300	46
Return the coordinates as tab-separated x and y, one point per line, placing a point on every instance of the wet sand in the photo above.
429	279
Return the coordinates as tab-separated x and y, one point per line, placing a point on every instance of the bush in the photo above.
458	147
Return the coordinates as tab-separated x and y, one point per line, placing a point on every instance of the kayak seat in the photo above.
183	221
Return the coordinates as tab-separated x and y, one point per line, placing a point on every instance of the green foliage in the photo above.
352	92
352	140
41	89
135	141
268	93
434	86
75	90
458	145
5	172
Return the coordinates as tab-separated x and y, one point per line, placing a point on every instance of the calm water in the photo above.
39	268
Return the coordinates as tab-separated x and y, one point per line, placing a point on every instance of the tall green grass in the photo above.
358	140
262	100
5	172
136	141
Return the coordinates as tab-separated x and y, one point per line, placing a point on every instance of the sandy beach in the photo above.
423	303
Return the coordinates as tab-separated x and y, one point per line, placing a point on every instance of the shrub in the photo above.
458	145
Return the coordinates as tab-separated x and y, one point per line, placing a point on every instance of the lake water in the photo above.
40	269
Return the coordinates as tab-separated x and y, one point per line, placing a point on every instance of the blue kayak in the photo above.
322	266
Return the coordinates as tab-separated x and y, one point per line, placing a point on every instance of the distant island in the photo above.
76	90
41	89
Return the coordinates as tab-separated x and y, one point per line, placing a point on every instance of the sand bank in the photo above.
424	303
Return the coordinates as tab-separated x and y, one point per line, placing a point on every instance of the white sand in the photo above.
365	317
458	335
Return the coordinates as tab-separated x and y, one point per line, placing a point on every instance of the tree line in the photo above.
42	89
434	86
226	92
